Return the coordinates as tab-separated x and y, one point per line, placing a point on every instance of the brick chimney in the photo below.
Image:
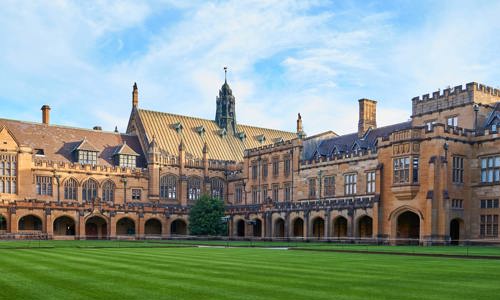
367	116
135	96
45	114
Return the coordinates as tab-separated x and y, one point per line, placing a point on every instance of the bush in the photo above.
205	217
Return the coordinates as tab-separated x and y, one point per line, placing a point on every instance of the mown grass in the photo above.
461	250
238	273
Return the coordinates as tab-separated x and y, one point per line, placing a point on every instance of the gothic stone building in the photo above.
435	177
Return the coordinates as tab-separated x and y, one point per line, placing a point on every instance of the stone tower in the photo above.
225	115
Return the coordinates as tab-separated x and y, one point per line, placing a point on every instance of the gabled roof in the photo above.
494	115
85	145
222	147
125	149
59	142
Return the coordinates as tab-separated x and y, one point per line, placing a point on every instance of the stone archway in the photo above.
64	226
96	227
279	228
456	226
30	223
318	228
152	227
257	228
178	227
365	227
298	227
408	228
3	223
125	226
340	227
240	228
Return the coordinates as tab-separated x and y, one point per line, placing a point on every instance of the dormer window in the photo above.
87	157
261	138
201	130
127	161
125	156
279	140
222	132
495	127
241	135
178	127
85	153
39	152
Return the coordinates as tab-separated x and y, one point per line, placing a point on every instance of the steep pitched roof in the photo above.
59	142
222	146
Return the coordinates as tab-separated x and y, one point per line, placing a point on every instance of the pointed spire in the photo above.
300	130
135	96
116	129
225	74
152	146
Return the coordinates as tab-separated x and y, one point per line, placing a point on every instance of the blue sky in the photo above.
284	57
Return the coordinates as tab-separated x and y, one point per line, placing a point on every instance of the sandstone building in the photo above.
435	177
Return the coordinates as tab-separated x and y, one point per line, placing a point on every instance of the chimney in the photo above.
299	123
97	128
135	96
367	116
45	114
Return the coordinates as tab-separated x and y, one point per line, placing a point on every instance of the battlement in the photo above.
340	158
459	95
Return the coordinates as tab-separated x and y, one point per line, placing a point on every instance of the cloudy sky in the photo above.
314	57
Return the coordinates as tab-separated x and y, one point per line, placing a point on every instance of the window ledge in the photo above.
405	191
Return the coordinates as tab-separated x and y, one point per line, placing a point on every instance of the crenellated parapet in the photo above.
454	97
339	158
59	166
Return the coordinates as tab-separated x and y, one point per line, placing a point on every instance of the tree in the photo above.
206	217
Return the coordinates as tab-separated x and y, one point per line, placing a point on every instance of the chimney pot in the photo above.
367	116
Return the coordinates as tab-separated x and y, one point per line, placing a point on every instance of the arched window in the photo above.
70	189
108	191
194	188
168	187
89	190
217	188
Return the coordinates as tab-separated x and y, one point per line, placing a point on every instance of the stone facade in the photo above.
434	178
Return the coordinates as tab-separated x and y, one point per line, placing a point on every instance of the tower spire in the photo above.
225	74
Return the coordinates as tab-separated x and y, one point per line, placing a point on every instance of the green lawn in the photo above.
238	273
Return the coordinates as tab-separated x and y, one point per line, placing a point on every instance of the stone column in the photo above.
328	224
112	225
287	225
81	225
306	224
48	223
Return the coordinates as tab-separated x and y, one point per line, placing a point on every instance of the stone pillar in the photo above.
182	192
287	225
307	225
375	220
13	220
48	223
140	226
350	223
165	227
269	224
153	171
81	225
327	224
112	225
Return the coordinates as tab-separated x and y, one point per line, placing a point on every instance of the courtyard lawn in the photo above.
238	273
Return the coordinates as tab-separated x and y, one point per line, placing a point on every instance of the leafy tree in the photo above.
205	217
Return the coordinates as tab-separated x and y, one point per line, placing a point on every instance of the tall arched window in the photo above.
108	191
70	189
194	188
217	188
168	187
89	190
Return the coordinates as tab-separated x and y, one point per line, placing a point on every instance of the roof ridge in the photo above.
67	127
209	120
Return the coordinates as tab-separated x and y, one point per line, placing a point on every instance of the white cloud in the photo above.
325	58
